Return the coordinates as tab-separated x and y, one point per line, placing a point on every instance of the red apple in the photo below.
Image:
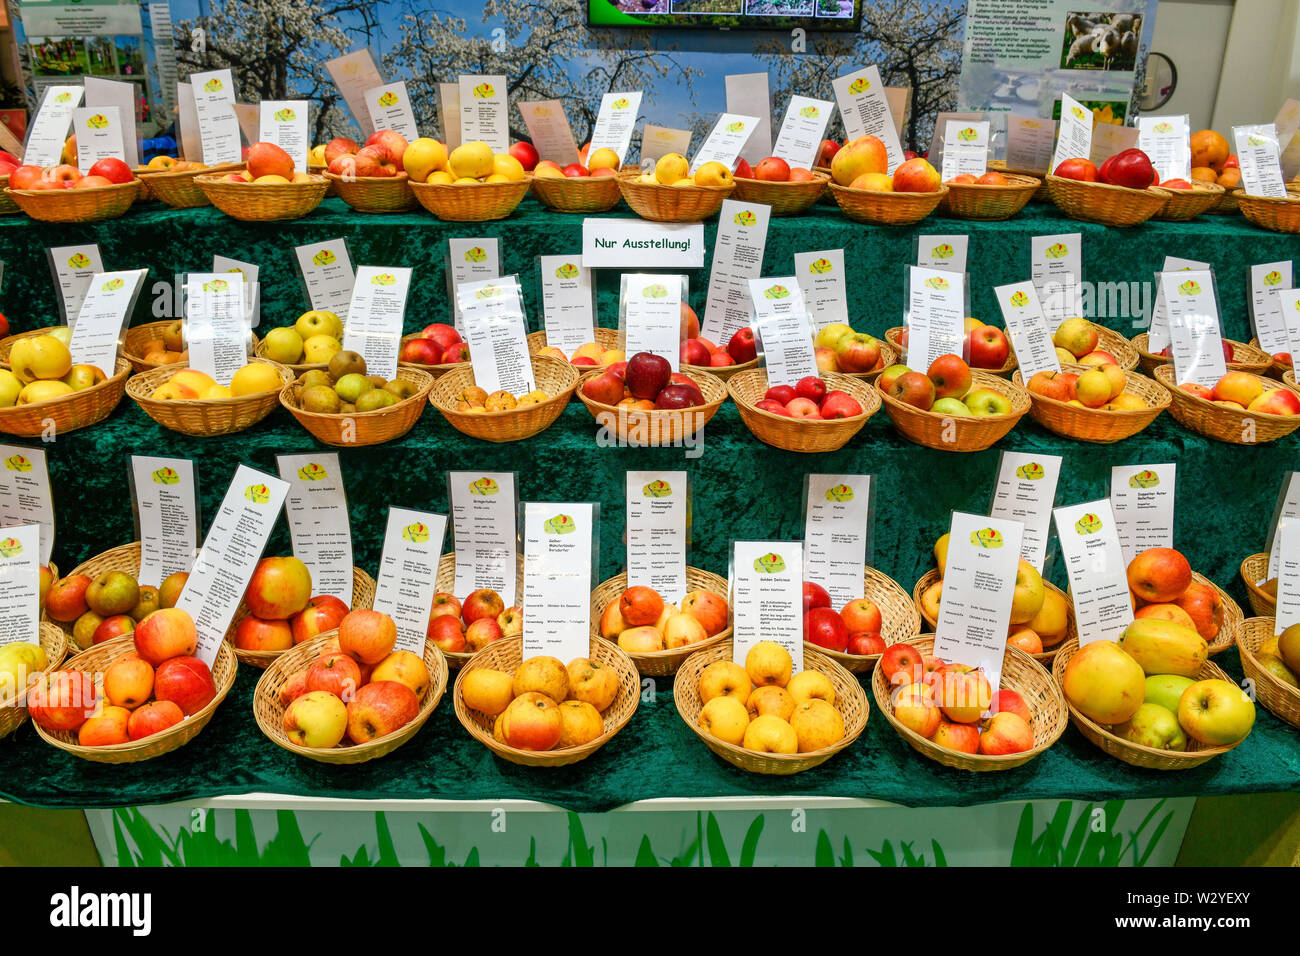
913	388
902	664
576	171
62	700
279	588
335	674
694	353
340	146
482	603
1080	169
863	643
825	628
987	347
742	347
772	170
810	387
862	614
838	404
526	153
391	146
1131	168
455	354
605	388
66	599
112	627
186	682
379	709
647	374
447	632
950	375
826	153
441	334
780	393
254	634
804	408
268	159
679	396
857	352
153	718
166	633
420	351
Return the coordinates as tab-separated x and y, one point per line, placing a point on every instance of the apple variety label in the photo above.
1109	139
549	130
1261	160
559	541
1289	305
484	112
1142	498
1031	339
1095	563
375	316
946	252
1073	132
783	330
726	140
1056	268
1030	141
935	155
389	107
49	129
865	111
103	92
20	590
216	330
835	532
737	258
936	315
250	271
657	507
1025	492
408	567
747	95
470	260
568	302
615	122
802	131
639	244
284	123
483	517
316	507
821	280
449	113
659	141
651	307
105	309
767	597
1158	334
327	271
187	123
1288	509
353	74
492	314
229	555
1288	577
74	267
965	149
979	583
1167	141
214	105
166	516
25	493
99	135
1196	344
1268	320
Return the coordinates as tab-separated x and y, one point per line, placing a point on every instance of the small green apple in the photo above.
951	406
283	346
829	335
352	386
1166	689
985	401
1153	726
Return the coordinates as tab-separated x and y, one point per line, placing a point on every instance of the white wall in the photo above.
1261	65
1194	34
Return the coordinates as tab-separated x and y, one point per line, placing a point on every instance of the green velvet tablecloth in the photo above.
742	489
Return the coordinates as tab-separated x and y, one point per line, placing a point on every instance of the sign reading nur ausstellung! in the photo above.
636	244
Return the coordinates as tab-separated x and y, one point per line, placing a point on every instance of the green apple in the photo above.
352	386
951	406
318	322
984	401
1166	689
319	349
283	346
10	386
375	399
321	399
1216	712
829	335
1153	726
1028	597
62	333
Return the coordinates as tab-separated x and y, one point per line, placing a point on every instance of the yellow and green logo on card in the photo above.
166	476
820	266
839	493
560	524
475	254
1088	524
810	112
388	98
112	285
312	471
216	285
988	538
776	292
656	291
1163	127
1254	139
744	218
214	85
737	127
484	91
1273	278
1077	113
285	115
1030	471
416	533
1144	479
1190	287
936	282
968	135
859	85
79	261
484	486
657	489
324	258
1057	250
258	494
620	104
488	292
770	563
1019	300
943	251
18	463
567	271
98	121
10	548
384	278
63	97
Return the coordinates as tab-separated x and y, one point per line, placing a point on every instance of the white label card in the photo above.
404	586
49	130
1267	279
20	591
1288	577
1026	492
390	108
652	315
1167	141
945	252
484	111
229	555
375	316
320	532
104	311
25	493
74	267
327	271
470	260
492	313
767	597
1158	334
550	132
640	244
965	149
1261	160
559	544
167	514
936	316
1288	510
1196	344
214	105
657	506
216	330
1095	564
803	130
835	534
821	280
99	135
864	110
568	304
1289	305
1109	140
1056	268
1142	498
483	509
449	113
1030	141
786	343
284	123
1031	339
941	121
737	258
726	140
1073	132
657	141
354	73
250	271
748	95
615	123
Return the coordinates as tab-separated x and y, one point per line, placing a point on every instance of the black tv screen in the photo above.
827	15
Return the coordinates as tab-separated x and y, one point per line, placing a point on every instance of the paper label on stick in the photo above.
1096	567
568	304
559	542
327	271
652	309
1142	499
74	267
802	131
835	534
492	313
1073	132
1030	141
483	507
936	315
747	95
166	514
229	555
737	258
550	132
105	309
214	105
99	135
821	280
284	123
1288	577
375	316
484	111
767	597
1026	492
864	110
1158	333
49	130
965	149
1268	319
946	252
1167	141
1031	339
250	271
354	73
25	493
1196	344
316	507
615	122
470	260
216	330
1056	268
1261	160
20	591
404	586
726	140
657	507
390	108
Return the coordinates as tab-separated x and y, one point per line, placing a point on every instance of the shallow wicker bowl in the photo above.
7	205
661	663
658	427
124	557
96	661
263	202
363	596
850	701
792	434
375	194
269	712
471	202
1040	194
672	203
1225	424
1095	424
506	655
899	621
68	412
1279	698
1185	204
365	428
1104	203
886	208
177	188
786	199
93	204
1020	673
1138	755
135	339
13	709
577	194
989	203
204	418
1245	357
605	338
888	356
1273	214
948	433
1254	572
894	337
553	376
446	584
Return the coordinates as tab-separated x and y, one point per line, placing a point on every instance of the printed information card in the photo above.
1196	344
20	591
568	303
1261	160
483	518
767	597
74	267
936	315
559	541
492	315
835	534
615	123
548	128
1158	333
284	123
728	137
216	327
484	111
737	258
327	272
1096	567
1073	132
99	135
1031	339
946	252
802	131
782	330
1142	499
104	311
657	507
821	280
214	107
319	529
965	149
389	107
375	317
864	110
166	516
408	568
250	271
1167	141
1026	492
1267	280
1288	578
25	493
1288	509
470	260
1056	268
1030	141
49	130
652	315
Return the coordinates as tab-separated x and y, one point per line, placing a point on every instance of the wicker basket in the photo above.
377	194
899	621
577	194
1227	204
1278	697
662	663
1095	424
471	202
7	205
93	204
437	371
1275	215
888	356
1275	369
1020	673
269	712
886	208
1185	204
721	372
672	203
136	337
1254	573
446	584
68	412
204	418
556	378
850	701
989	203
1041	194
1245	357
13	710
1225	424
363	596
660	427
178	188
605	338
793	434
1104	203
1111	341
365	428
785	199
1137	754
949	433
506	655
894	337
263	202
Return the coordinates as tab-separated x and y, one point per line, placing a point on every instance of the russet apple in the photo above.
112	593
542	675
335	674
580	723
725	679
164	634
169	591
532	722
153	718
148	603
367	636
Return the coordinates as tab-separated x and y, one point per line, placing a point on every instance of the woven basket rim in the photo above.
1255	587
1111	187
902	194
136	383
562	397
1164	402
1022	181
400	177
1182	395
668	653
143	172
1243	642
833	422
1013	415
120	374
818	177
419	396
93	190
521	184
629	177
210	178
